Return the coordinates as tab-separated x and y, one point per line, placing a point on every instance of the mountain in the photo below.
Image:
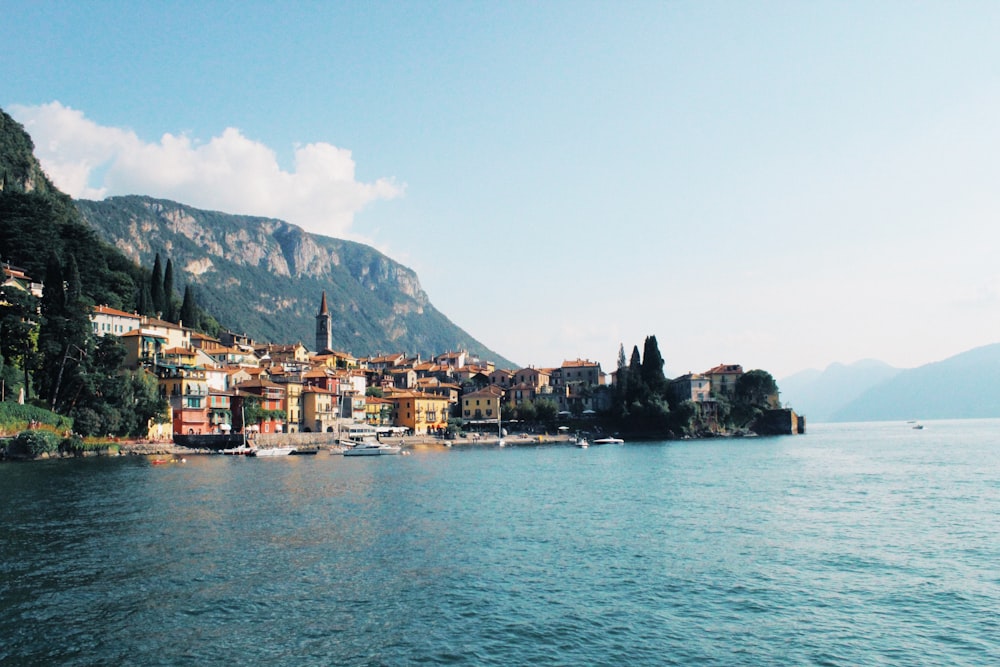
19	170
264	277
38	222
965	386
821	394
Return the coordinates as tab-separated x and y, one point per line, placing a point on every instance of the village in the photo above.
208	381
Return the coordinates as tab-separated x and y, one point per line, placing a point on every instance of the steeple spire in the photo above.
324	329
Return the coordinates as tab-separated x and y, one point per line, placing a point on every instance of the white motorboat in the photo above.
372	449
272	451
609	441
582	443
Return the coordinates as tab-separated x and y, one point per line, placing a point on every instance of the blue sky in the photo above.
781	185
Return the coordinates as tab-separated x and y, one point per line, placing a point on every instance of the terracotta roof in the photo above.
310	389
578	363
491	391
416	395
108	310
725	368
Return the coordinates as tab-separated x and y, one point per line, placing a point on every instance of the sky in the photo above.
781	185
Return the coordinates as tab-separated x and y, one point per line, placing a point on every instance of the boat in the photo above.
272	451
919	427
582	443
500	441
372	449
609	441
242	450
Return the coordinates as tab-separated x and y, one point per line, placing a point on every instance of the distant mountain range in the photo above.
964	386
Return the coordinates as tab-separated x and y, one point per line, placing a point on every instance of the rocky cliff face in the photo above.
19	170
264	277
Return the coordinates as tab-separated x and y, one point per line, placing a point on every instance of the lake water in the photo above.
855	544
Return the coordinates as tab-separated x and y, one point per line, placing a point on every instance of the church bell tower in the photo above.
324	336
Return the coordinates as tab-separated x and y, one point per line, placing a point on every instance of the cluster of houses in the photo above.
207	382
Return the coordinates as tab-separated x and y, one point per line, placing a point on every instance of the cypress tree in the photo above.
77	308
52	332
156	288
622	365
169	312
633	379
189	310
652	367
144	301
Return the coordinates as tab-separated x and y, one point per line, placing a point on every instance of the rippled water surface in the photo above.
855	544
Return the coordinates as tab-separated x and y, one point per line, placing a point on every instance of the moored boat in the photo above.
242	450
272	451
372	449
609	441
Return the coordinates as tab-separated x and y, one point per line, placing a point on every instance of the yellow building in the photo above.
318	410
293	405
482	404
421	413
378	411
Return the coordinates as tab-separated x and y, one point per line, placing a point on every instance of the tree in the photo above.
17	328
526	411
189	309
51	336
169	313
633	380
755	389
144	300
64	338
652	367
156	288
546	409
752	396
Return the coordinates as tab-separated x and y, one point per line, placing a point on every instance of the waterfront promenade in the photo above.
165	448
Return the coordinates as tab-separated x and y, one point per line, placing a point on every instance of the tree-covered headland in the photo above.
645	403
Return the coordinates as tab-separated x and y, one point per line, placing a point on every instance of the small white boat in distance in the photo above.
609	441
272	451
582	443
372	449
242	450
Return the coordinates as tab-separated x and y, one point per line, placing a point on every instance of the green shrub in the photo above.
34	443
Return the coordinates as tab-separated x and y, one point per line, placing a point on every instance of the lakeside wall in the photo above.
780	422
216	442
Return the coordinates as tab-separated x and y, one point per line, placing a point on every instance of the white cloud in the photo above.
230	172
